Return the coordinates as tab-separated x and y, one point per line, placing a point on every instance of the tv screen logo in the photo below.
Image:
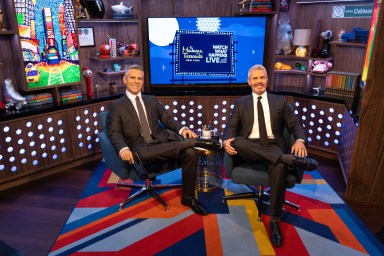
204	53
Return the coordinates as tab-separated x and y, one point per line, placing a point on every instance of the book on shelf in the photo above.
341	80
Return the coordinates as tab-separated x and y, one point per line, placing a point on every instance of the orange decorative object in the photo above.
282	66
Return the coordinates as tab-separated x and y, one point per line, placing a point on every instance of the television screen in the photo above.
204	50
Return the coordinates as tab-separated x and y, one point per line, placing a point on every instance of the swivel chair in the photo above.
125	170
253	175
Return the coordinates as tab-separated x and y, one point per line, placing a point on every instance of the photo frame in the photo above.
86	37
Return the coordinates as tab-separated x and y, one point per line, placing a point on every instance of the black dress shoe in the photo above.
192	203
306	163
210	144
276	235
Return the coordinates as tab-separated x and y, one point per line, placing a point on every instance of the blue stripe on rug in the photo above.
98	238
359	230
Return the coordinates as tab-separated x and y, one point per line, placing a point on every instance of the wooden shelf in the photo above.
322	59
112	73
7	32
291	56
292	71
116	58
339	43
107	20
255	13
317	74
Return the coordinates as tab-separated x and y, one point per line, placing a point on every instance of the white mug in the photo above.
206	134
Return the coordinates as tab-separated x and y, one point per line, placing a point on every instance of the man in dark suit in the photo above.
253	143
131	131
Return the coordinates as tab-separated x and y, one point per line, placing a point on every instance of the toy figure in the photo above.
121	11
284	37
88	73
12	97
104	51
133	50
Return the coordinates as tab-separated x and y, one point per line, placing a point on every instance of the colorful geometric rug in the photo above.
324	226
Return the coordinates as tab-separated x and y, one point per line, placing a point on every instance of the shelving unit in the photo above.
134	20
112	73
125	31
133	59
339	43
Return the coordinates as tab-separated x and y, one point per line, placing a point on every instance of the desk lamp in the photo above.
302	39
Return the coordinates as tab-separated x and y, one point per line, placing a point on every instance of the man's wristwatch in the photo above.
301	140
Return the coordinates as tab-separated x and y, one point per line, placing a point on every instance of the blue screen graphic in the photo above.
204	50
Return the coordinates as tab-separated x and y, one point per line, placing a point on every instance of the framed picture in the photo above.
86	37
48	40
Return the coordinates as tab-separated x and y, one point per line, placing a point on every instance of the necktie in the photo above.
261	120
143	121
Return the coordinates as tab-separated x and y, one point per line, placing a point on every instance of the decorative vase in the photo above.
95	8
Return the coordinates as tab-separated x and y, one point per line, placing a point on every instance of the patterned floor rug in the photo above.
324	226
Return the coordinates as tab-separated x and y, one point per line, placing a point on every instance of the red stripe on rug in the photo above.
104	199
305	203
104	180
165	238
110	220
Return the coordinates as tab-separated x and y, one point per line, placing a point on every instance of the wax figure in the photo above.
244	138
134	127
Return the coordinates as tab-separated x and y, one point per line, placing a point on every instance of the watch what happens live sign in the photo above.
204	53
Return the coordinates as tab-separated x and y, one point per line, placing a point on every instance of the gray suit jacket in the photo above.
124	125
281	113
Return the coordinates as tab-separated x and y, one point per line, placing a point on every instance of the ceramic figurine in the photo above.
120	11
284	37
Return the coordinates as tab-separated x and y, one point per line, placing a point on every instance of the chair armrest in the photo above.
228	164
111	158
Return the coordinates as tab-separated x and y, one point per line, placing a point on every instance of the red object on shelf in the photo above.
88	73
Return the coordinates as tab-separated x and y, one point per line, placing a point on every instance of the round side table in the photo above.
209	169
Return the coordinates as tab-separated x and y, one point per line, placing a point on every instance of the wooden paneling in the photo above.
366	177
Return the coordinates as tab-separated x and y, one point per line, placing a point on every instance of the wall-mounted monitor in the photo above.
204	51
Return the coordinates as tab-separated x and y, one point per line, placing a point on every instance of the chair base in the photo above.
149	188
260	195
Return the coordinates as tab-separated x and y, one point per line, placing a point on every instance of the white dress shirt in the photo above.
267	116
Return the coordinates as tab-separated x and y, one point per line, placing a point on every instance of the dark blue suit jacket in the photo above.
124	125
281	113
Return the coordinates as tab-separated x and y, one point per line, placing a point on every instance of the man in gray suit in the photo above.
131	131
244	138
